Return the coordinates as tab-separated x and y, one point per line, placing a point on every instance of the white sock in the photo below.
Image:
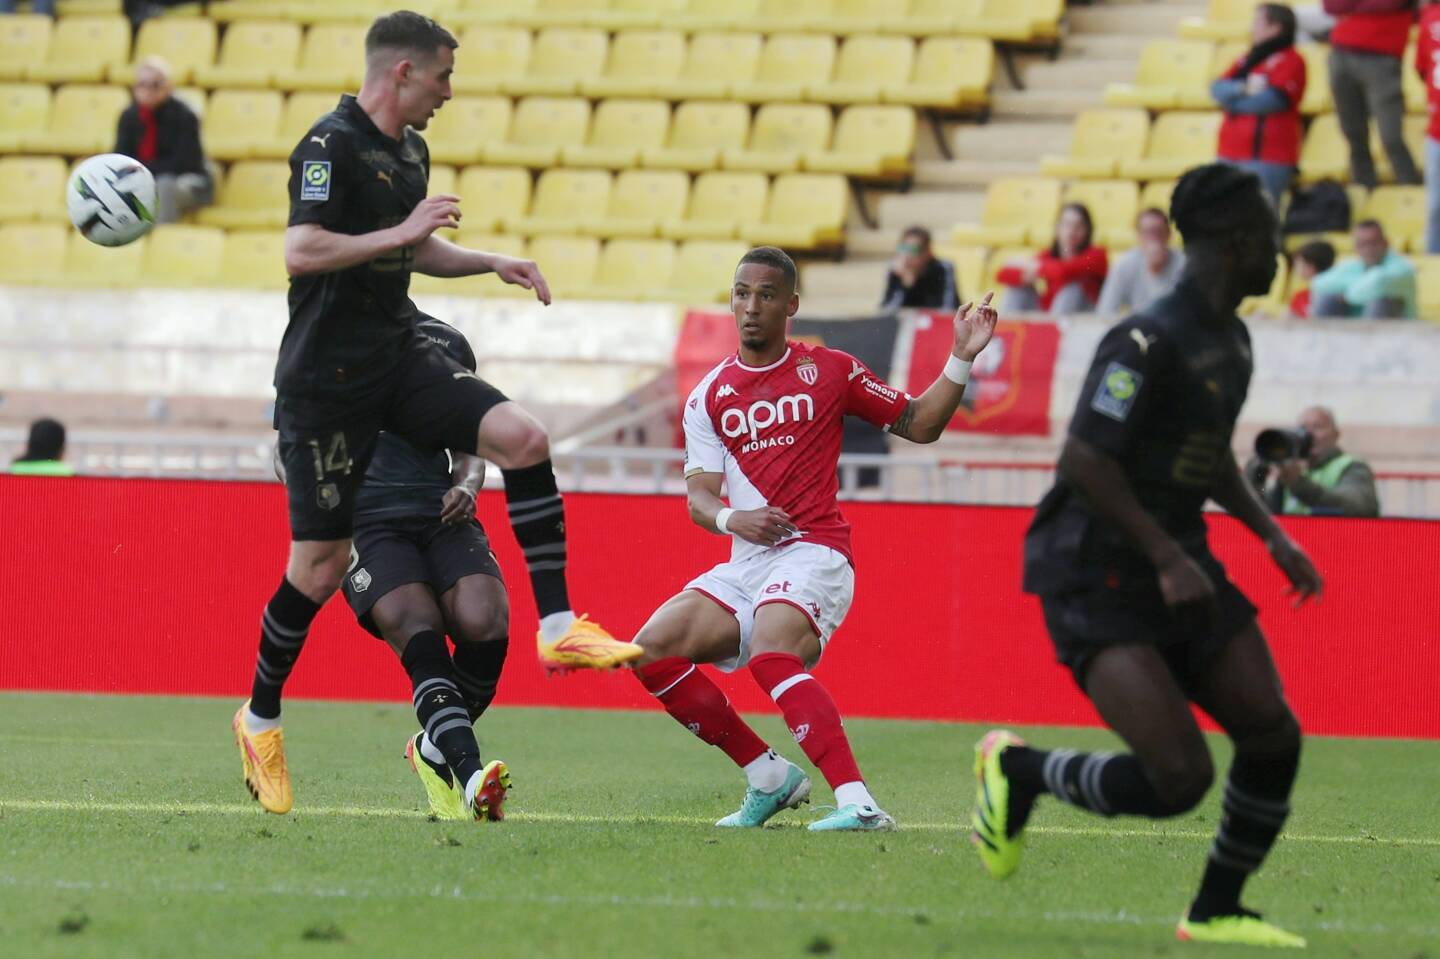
855	792
767	772
430	751
552	627
472	787
255	724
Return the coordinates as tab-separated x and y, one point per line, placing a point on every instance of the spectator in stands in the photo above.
1376	283
1065	278
164	134
1427	62
44	451
1366	45
1312	259
46	7
1142	275
1328	482
918	278
1261	94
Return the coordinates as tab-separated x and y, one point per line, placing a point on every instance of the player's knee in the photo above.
1182	781
485	626
658	644
318	577
1275	734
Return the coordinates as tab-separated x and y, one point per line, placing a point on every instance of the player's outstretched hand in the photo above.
523	273
1305	581
974	326
763	527
457	507
441	212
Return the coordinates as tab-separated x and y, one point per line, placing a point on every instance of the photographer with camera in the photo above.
1303	471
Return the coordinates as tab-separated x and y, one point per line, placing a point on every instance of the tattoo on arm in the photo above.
901	426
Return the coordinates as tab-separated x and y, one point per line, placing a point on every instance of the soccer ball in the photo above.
111	199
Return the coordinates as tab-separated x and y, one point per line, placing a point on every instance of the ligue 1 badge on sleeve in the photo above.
806	369
327	496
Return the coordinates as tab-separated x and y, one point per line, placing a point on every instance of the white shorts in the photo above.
817	580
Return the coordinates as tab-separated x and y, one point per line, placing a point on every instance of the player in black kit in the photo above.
1137	606
352	364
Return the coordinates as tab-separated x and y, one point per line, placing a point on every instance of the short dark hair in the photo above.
1151	211
407	32
920	233
46	442
772	256
1213	200
1318	253
1283	17
1371	225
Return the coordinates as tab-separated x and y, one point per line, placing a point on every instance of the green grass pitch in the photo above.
127	832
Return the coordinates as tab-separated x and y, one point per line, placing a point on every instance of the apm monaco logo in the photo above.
806	369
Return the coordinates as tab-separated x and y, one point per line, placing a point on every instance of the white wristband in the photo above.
723	517
957	371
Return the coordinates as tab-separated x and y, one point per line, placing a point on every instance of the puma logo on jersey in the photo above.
320	140
382	175
1142	341
724	391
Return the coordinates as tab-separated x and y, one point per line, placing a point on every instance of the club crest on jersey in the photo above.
806	369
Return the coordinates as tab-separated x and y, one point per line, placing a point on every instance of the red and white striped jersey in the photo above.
774	431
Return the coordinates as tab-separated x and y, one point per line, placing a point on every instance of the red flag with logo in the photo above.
1009	391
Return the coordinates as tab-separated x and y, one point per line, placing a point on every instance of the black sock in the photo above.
477	670
439	705
1252	813
1103	783
537	515
283	626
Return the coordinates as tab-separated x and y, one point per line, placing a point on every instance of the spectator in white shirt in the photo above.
1145	273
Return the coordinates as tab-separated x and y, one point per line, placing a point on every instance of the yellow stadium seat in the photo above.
702	273
103	267
299	114
559	62
254	258
494	243
788	63
787	16
568	262
643	63
716	15
491	195
251	53
83	120
628	15
931	18
182	255
240	123
969	263
183	42
1317	79
866	66
24	112
699	130
1014	21
1415	90
1044	16
253	194
1017	210
851	17
197	100
631	269
465	127
1325	153
82	50
1401	210
639	202
713	61
719	203
1113	205
31	253
1427	286
806	211
540	128
1223	20
1272	303
1179	140
871	142
782	134
34	188
489	57
489	13
24	41
619	130
1102	140
1156	195
331	58
563	199
1172	74
950	73
559	13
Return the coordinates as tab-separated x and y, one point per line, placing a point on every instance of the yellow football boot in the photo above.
263	757
1245	929
447	799
495	783
585	645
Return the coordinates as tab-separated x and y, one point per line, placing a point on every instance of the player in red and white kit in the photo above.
766	423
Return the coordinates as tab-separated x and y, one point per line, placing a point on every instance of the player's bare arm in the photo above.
310	248
1240	500
764	527
437	256
924	418
468	473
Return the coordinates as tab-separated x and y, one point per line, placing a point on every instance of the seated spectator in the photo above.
1427	62
44	451
1366	45
1063	279
1142	275
1376	283
1261	94
917	278
164	134
46	7
1313	258
1327	482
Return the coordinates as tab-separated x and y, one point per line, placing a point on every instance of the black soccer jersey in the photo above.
347	328
1162	396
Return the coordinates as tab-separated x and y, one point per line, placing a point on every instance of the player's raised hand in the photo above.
441	212
523	273
458	506
763	527
1305	581
974	326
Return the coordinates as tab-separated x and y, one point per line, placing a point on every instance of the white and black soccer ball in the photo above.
111	199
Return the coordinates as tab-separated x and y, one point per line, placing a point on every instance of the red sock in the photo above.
810	713
700	706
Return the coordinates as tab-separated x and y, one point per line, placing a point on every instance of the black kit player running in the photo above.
352	364
1138	608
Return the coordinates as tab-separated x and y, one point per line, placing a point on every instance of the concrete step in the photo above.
935	209
1078	73
1045	104
1139	19
972	174
1011	139
1104	46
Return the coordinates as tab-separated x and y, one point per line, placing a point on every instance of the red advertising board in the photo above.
1009	389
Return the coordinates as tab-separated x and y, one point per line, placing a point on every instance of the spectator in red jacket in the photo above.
1312	259
1365	50
1260	95
1065	278
1427	61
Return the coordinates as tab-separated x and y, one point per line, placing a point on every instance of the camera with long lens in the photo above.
1278	445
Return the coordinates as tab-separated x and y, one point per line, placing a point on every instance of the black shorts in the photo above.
390	553
1131	609
325	445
